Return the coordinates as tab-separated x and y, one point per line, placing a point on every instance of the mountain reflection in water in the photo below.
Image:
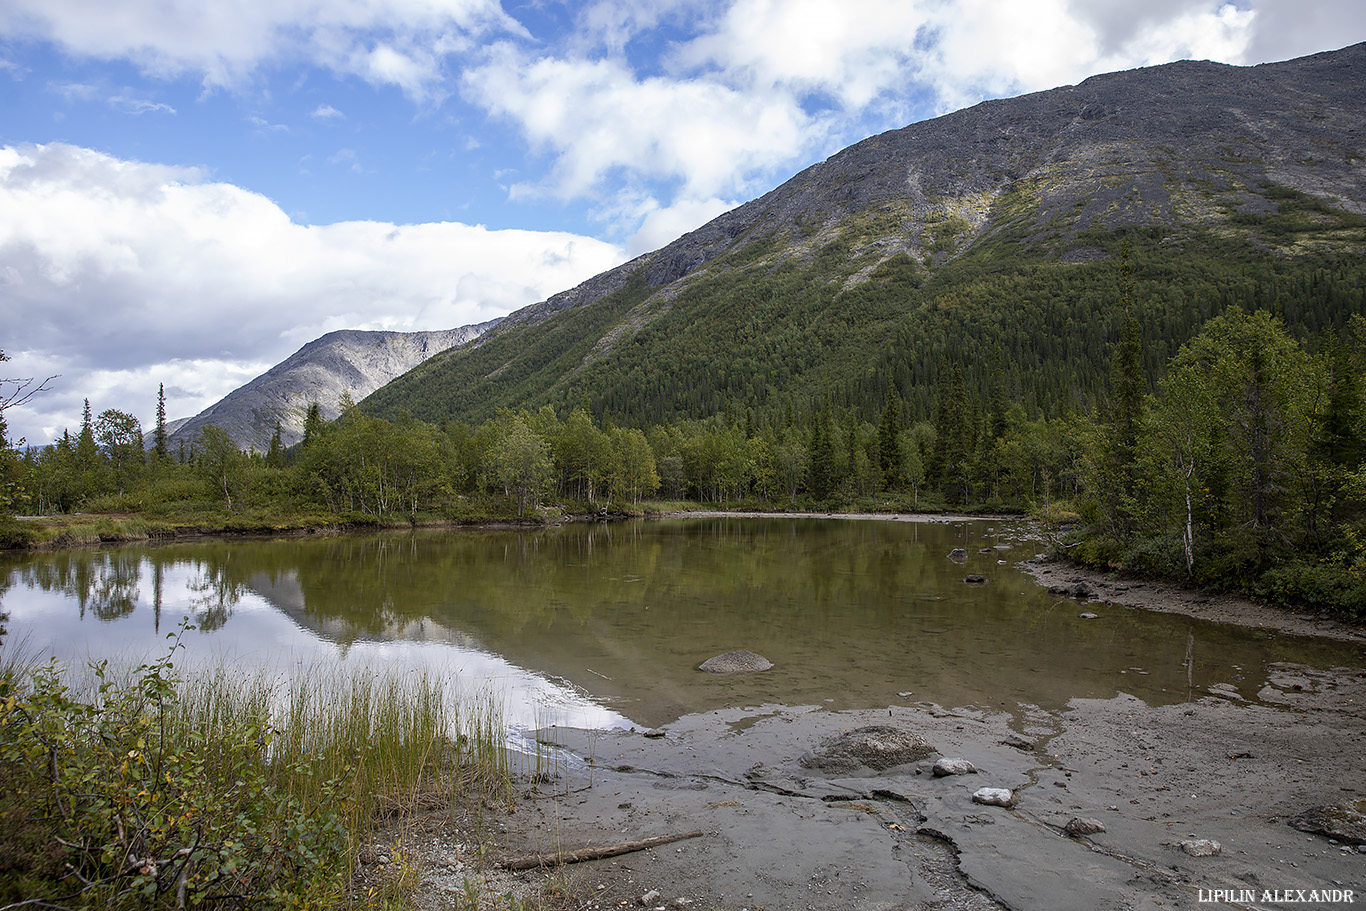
604	625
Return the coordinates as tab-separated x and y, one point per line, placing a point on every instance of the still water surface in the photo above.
604	625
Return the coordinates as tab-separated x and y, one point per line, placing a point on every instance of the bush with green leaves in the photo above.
114	801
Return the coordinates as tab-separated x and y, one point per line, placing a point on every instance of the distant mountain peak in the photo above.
347	361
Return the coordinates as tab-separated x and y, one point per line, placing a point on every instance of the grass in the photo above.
155	788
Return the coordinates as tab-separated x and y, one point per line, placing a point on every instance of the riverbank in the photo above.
94	529
1222	767
1063	576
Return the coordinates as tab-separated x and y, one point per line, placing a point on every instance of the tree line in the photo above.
1243	466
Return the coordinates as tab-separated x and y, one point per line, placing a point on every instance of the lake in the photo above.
603	625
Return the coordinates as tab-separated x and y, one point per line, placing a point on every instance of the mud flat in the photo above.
1222	767
1175	599
1232	765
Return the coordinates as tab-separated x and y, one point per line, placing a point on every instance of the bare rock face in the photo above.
875	748
347	362
736	662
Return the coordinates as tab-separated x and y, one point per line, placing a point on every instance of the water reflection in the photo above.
610	622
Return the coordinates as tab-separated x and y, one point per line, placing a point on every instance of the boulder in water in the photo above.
736	662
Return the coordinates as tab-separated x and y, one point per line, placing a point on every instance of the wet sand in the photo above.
1228	766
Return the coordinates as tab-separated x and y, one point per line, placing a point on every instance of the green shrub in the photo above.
113	802
15	534
132	501
1319	585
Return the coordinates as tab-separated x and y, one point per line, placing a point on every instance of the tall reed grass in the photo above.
164	786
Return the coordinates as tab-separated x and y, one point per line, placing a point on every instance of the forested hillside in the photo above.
989	238
1135	307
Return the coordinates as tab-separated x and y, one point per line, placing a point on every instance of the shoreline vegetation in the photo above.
165	786
1244	470
1110	582
160	787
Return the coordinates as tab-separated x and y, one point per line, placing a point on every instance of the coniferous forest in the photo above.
1210	430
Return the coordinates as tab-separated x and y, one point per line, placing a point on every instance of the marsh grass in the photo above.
166	787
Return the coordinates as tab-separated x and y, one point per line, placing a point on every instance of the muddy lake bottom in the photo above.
780	838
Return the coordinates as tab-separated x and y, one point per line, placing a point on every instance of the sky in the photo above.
191	191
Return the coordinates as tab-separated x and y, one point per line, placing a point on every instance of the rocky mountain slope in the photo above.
349	361
931	244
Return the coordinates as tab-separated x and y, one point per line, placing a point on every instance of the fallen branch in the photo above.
530	861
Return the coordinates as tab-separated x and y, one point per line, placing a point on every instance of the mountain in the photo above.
1004	238
348	362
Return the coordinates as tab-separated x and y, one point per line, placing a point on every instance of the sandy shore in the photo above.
1228	766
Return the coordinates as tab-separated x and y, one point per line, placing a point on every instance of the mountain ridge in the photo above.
1266	161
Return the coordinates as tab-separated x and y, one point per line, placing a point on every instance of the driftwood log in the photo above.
530	861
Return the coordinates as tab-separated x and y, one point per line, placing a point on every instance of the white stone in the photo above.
994	797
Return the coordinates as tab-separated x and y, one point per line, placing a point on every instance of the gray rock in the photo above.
1082	591
348	361
958	554
994	797
650	897
975	579
1087	615
1078	826
1345	821
1201	847
736	662
945	767
877	748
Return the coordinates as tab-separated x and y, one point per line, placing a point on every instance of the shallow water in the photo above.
604	625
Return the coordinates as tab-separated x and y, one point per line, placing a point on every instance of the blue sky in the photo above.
191	191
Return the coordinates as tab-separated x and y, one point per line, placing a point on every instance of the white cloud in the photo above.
327	112
385	41
265	126
347	158
660	226
131	104
598	119
120	274
758	88
1293	28
851	51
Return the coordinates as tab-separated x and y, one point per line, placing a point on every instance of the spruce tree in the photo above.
1118	486
313	424
889	455
275	457
159	434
